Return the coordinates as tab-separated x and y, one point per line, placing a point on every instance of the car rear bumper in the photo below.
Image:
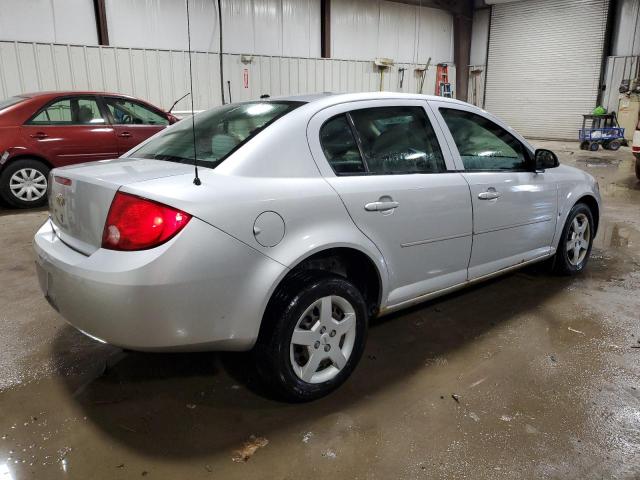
202	290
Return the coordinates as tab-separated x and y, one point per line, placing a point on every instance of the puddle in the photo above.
597	162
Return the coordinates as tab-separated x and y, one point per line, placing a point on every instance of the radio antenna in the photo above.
196	180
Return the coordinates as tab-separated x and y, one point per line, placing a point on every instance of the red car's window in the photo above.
69	111
126	112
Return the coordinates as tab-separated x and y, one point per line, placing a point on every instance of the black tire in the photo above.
562	263
584	145
593	146
272	353
638	168
614	145
8	172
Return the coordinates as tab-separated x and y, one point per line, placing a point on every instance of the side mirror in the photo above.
545	159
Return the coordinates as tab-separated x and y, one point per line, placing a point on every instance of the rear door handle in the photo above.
490	194
125	134
39	135
381	206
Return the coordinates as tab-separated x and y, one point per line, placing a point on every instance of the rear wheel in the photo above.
614	145
313	337
575	244
638	168
593	146
23	183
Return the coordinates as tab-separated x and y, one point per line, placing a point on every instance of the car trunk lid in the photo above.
80	196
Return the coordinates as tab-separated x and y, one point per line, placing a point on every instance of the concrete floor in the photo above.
547	379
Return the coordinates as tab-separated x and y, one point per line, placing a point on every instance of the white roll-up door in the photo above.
544	64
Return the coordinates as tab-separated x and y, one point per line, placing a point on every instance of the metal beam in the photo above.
101	22
462	54
325	28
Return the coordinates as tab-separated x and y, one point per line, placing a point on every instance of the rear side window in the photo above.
340	147
482	144
69	111
398	140
392	140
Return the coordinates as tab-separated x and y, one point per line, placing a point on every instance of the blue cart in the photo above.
604	130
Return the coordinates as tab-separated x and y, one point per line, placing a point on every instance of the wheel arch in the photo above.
591	202
27	156
348	261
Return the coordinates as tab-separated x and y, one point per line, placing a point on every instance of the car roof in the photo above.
58	93
330	98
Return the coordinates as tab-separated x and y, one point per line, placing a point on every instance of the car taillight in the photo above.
135	223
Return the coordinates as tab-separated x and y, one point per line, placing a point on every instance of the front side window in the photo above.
482	144
70	111
126	112
397	140
218	133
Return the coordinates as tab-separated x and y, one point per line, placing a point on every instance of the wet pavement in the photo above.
526	376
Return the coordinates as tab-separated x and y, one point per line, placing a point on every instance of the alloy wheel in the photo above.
28	184
323	339
578	239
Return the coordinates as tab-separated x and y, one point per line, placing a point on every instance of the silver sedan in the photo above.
306	217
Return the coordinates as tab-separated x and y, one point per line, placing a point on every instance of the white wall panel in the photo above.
367	29
300	28
354	29
267	23
261	27
479	36
162	76
51	21
617	69
626	34
162	24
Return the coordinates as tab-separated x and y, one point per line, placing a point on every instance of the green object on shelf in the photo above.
599	110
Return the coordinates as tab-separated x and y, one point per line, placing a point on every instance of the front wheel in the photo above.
575	244
23	183
313	337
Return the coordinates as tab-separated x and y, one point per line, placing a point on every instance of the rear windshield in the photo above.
218	133
7	102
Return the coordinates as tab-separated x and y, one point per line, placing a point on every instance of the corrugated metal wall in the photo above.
161	76
544	64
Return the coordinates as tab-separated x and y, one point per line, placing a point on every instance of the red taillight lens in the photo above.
135	223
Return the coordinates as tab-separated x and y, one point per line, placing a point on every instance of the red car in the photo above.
40	131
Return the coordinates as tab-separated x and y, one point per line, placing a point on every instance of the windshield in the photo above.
218	133
7	102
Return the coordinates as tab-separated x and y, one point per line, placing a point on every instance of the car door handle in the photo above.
381	206
125	134
490	194
39	135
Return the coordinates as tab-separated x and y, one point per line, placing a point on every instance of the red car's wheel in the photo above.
23	183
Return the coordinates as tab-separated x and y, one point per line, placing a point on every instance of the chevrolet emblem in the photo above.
60	200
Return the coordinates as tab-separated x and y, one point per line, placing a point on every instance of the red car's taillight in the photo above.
135	223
